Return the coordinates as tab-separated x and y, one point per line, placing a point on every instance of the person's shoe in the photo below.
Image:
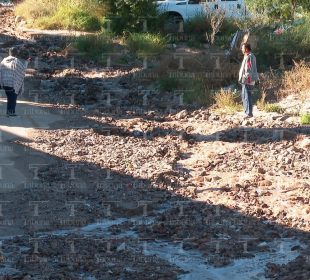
13	115
248	117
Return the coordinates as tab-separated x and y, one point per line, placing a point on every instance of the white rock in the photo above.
18	19
305	143
182	114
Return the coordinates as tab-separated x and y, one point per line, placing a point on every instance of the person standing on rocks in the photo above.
247	77
12	75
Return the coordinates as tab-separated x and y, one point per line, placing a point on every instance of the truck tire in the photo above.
173	23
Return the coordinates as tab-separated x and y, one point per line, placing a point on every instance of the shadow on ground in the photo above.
127	214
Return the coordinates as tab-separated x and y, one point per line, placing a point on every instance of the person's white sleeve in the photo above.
20	72
22	89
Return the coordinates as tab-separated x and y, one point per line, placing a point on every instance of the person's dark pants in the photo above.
246	95
11	100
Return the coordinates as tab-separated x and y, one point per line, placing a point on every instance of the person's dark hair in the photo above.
13	51
247	46
23	54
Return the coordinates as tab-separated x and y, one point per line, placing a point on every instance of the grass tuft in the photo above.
227	102
271	107
296	80
146	44
261	103
196	92
55	14
33	9
305	119
94	46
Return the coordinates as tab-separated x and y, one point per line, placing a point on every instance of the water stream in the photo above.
191	261
243	269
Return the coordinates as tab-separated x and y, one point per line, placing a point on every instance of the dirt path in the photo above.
187	192
17	163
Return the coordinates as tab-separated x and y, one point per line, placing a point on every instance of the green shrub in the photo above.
198	93
275	10
168	84
292	43
224	36
301	33
197	27
195	44
146	43
94	46
195	91
305	119
228	28
79	19
276	108
130	15
251	23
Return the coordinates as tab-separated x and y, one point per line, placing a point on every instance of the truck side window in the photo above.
193	1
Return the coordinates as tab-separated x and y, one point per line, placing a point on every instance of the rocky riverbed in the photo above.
130	183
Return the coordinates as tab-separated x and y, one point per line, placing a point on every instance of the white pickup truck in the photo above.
186	9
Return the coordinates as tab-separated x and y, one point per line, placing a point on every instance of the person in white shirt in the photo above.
12	75
247	77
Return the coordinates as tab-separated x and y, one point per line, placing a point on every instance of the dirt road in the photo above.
105	178
73	180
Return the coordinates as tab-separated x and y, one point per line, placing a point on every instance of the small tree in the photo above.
129	15
215	19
